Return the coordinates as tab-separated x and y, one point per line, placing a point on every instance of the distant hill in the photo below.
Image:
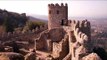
41	17
36	19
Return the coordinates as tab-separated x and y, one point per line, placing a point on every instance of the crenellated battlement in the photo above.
80	36
79	24
57	5
22	33
83	26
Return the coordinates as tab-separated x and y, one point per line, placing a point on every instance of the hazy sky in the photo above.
76	8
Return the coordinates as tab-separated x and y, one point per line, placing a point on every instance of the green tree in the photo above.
30	25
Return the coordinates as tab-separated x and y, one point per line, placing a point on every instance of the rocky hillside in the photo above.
12	19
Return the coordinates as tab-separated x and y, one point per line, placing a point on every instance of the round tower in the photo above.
57	15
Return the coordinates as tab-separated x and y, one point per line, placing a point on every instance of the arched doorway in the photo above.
62	22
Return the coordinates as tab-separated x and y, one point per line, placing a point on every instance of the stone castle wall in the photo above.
47	37
83	26
26	38
65	39
60	49
17	33
79	39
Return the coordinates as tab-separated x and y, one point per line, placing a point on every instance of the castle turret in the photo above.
58	15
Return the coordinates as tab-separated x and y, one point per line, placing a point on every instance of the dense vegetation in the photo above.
30	25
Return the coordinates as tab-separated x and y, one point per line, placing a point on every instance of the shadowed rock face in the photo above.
11	56
1	48
14	45
101	52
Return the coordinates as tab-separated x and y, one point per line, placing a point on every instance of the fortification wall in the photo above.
83	26
49	36
80	39
79	29
23	39
21	33
60	49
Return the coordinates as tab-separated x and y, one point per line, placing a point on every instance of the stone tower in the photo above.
58	15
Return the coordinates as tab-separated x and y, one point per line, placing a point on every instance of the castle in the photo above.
63	39
66	39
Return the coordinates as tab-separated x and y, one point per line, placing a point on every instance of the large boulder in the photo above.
92	56
56	34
